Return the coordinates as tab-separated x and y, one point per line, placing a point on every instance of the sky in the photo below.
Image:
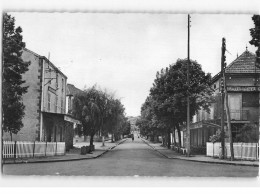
122	52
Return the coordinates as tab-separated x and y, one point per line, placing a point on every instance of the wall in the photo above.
31	100
240	81
54	88
247	80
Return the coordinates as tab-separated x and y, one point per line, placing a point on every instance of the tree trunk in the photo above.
229	126
179	134
174	139
11	136
169	138
155	139
112	138
152	138
164	140
85	138
103	140
91	139
102	132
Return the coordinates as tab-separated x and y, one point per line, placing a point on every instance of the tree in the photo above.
127	129
115	120
13	68
148	123
85	109
169	93
99	112
247	134
103	104
255	33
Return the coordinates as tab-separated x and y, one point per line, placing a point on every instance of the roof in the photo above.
72	90
244	64
43	57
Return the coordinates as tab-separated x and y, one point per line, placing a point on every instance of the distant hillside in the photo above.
132	121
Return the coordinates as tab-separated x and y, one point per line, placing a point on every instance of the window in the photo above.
56	103
57	80
250	99
50	73
49	101
62	82
61	106
69	102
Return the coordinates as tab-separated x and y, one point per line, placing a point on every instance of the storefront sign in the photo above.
243	88
69	119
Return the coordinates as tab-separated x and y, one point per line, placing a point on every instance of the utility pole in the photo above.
223	65
2	110
2	125
188	94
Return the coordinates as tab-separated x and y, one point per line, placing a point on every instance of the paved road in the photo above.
131	159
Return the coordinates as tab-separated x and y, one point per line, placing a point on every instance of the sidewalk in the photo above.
171	154
72	155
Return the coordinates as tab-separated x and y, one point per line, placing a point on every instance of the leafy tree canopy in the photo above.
99	111
255	34
170	90
166	105
13	68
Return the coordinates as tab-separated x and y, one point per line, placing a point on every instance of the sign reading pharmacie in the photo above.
243	88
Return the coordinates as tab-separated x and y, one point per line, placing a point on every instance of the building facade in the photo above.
77	126
243	86
44	101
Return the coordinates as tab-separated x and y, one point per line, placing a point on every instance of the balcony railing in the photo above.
239	115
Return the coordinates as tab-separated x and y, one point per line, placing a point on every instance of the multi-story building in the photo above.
44	101
77	126
243	86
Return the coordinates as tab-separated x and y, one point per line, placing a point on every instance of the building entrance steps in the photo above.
171	154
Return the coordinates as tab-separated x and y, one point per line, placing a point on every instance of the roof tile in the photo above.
245	63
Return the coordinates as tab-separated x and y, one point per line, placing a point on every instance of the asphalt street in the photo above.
131	159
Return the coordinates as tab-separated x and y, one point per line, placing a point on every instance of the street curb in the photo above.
155	149
110	148
227	163
67	160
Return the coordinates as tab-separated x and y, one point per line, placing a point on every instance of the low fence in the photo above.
243	151
25	149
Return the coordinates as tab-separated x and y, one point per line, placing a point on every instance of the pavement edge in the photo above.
67	160
202	161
